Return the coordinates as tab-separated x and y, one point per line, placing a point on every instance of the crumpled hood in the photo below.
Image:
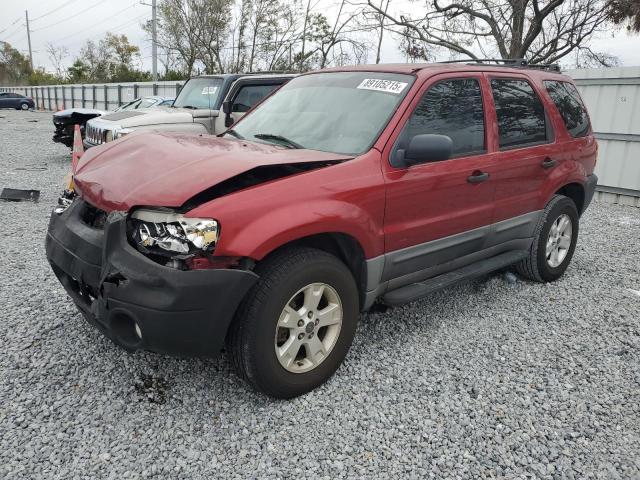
167	169
82	111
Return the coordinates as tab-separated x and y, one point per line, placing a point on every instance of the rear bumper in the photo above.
136	302
589	190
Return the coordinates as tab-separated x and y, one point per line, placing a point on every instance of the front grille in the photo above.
95	135
92	216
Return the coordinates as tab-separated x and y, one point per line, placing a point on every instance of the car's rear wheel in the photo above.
554	241
296	325
24	106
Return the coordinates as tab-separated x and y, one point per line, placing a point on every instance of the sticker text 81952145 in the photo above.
389	86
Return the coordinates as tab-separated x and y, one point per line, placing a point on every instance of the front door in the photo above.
440	211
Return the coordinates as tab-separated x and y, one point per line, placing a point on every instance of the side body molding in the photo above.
399	268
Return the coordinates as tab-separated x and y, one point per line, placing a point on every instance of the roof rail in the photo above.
509	62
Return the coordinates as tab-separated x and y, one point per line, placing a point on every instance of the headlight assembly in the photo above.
121	132
160	232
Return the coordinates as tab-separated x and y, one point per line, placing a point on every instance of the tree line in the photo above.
226	36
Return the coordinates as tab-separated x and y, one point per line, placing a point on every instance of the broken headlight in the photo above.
166	232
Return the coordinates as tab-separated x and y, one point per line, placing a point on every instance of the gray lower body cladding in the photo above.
403	267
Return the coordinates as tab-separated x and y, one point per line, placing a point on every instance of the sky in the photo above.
70	23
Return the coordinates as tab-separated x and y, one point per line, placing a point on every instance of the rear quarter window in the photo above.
566	98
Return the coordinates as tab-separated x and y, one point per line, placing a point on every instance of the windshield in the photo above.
341	112
199	93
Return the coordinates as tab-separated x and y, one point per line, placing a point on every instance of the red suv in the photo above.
345	187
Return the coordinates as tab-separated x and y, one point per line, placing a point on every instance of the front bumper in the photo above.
589	190
64	134
134	301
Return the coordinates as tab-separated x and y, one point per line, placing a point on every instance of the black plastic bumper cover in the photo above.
116	287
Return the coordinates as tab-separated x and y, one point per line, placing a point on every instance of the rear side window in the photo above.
572	110
453	108
250	95
521	118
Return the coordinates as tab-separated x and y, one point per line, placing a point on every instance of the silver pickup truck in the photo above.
206	104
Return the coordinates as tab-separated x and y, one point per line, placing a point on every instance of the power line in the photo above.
69	18
52	11
11	24
92	27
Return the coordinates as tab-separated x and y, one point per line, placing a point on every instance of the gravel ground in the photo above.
499	378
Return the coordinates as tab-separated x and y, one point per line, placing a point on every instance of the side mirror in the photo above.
226	108
426	148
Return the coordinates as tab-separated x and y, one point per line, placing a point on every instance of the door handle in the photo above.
549	163
478	177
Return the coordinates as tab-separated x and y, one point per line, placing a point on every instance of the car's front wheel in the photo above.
296	325
24	106
554	242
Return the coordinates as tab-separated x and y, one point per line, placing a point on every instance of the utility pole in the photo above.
304	35
382	19
26	14
154	41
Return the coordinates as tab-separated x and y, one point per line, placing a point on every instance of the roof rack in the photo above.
509	62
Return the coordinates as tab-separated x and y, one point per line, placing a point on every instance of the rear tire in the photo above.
554	241
279	342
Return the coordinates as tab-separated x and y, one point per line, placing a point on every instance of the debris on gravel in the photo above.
496	378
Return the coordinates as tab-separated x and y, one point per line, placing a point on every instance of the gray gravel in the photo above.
499	378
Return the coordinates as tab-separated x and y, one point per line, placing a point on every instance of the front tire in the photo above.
297	323
554	241
24	107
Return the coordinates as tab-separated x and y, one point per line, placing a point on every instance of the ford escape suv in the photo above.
346	187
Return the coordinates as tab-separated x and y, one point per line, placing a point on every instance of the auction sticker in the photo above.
209	90
389	86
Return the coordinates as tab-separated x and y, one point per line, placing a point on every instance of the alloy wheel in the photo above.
308	328
559	240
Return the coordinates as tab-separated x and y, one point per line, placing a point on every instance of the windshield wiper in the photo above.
278	138
232	132
186	106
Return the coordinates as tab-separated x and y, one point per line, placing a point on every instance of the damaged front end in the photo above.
171	239
135	300
65	121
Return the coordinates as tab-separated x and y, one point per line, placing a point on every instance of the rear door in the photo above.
437	212
527	152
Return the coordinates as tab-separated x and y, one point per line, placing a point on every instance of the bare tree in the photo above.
541	32
56	57
327	37
176	31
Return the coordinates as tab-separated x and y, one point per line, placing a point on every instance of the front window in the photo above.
200	93
341	112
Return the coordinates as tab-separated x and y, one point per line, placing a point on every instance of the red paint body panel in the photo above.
343	198
382	207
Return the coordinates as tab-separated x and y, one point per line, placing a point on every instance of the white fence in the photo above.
612	96
99	95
